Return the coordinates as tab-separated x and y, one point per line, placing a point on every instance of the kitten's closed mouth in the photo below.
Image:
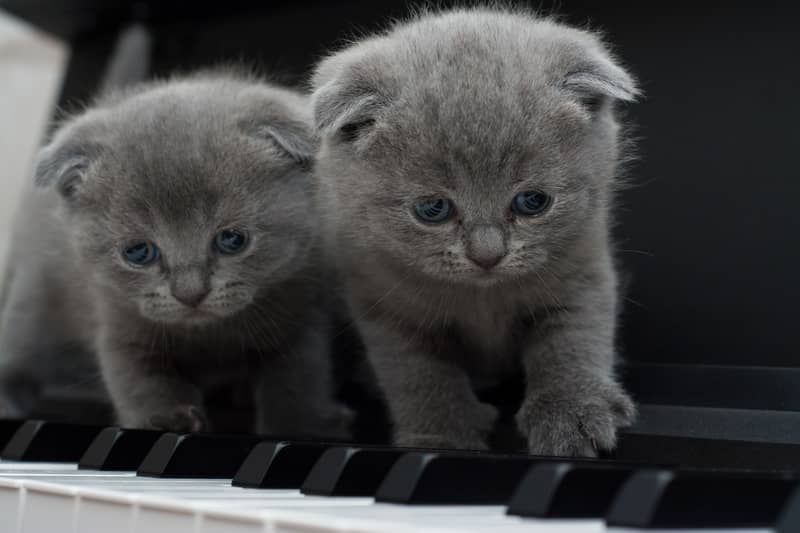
197	316
485	277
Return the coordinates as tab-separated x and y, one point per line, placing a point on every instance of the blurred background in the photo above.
708	233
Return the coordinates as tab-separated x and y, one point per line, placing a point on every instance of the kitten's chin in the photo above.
199	317
477	278
486	279
194	318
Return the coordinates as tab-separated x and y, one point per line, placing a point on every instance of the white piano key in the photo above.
48	507
11	497
452	518
281	521
50	474
9	467
155	515
134	483
249	500
101	511
318	502
210	523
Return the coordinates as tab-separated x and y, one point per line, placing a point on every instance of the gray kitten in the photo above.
467	163
179	239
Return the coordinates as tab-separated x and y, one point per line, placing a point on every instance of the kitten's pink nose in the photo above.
488	262
192	299
486	246
190	286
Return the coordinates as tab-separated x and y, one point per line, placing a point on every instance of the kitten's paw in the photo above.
569	424
185	418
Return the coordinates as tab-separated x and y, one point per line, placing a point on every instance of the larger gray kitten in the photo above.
179	238
468	162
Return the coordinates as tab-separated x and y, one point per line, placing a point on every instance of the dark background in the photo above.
707	233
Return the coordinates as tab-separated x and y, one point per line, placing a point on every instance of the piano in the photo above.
707	236
81	478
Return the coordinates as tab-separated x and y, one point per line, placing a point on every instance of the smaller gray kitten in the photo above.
178	240
468	162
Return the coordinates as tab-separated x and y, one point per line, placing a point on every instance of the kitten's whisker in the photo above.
257	338
546	287
85	380
266	316
441	304
374	305
634	302
152	334
244	322
525	303
164	352
242	350
640	252
274	340
278	308
420	323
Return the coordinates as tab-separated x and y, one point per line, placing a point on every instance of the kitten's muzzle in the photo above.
190	286
191	299
486	246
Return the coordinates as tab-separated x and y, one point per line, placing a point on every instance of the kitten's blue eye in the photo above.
434	211
230	241
530	203
141	253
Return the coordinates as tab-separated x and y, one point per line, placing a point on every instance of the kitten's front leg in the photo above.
573	404
144	392
431	401
295	393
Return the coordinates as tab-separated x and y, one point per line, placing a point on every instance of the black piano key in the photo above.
568	490
51	442
278	465
789	517
693	499
346	471
7	430
450	478
197	455
119	449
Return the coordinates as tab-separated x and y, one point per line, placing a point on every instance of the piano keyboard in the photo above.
57	477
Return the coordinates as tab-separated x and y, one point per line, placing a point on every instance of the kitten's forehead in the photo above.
183	140
484	132
184	169
478	93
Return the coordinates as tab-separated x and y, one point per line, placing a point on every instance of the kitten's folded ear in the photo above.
340	108
346	98
597	77
63	164
296	139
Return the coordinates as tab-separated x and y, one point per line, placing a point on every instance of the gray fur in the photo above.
174	163
476	105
